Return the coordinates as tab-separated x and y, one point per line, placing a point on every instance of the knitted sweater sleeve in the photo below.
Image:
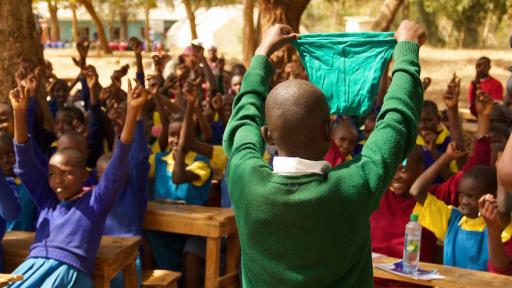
396	128
242	136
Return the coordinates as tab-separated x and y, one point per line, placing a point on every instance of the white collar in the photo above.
297	166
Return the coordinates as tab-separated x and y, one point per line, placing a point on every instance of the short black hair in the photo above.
431	105
485	176
484	58
77	113
75	157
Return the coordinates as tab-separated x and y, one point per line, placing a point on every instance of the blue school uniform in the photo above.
68	232
465	239
133	198
26	221
442	141
9	210
168	247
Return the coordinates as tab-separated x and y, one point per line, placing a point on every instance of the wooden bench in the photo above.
212	223
6	279
455	277
115	254
160	278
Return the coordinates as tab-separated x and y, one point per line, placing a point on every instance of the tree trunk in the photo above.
281	12
123	21
147	35
249	43
386	15
99	26
191	18
54	21
20	39
74	23
430	25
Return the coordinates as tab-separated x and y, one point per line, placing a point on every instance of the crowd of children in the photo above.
314	194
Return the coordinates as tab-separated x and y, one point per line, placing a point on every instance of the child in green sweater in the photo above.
302	224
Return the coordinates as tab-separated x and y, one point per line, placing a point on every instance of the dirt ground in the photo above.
439	64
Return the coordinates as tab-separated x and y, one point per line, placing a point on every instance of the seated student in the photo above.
389	220
71	219
180	175
484	83
26	219
344	139
76	141
133	196
293	219
500	114
461	229
496	213
9	205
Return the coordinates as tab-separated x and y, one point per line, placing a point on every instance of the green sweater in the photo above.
314	230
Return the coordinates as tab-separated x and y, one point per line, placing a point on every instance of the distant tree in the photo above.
249	33
473	20
73	5
386	15
99	25
53	8
20	39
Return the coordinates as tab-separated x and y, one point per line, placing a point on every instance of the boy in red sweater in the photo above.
484	83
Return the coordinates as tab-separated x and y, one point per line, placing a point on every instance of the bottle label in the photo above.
413	246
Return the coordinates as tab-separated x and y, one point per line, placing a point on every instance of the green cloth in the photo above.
314	230
347	67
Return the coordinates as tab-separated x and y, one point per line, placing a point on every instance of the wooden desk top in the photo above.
190	219
112	254
455	277
5	279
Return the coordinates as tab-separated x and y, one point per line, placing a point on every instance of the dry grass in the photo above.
439	64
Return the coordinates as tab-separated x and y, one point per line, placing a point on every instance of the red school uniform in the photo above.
508	250
388	222
489	85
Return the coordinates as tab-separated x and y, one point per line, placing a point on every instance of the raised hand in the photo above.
19	99
430	139
410	31
136	45
451	96
91	76
483	103
275	38
426	83
190	90
488	206
32	82
455	151
137	97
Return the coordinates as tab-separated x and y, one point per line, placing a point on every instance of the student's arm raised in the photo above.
396	127
243	130
497	256
114	178
180	174
419	189
27	165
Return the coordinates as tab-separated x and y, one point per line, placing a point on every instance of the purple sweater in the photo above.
70	231
133	197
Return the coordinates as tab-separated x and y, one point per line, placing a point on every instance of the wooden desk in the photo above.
6	279
115	254
455	277
212	223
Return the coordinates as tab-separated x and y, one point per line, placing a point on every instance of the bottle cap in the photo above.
414	217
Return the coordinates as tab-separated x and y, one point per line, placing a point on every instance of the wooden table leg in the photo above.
130	275
212	262
233	255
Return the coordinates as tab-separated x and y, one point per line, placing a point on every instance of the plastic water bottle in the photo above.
412	243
